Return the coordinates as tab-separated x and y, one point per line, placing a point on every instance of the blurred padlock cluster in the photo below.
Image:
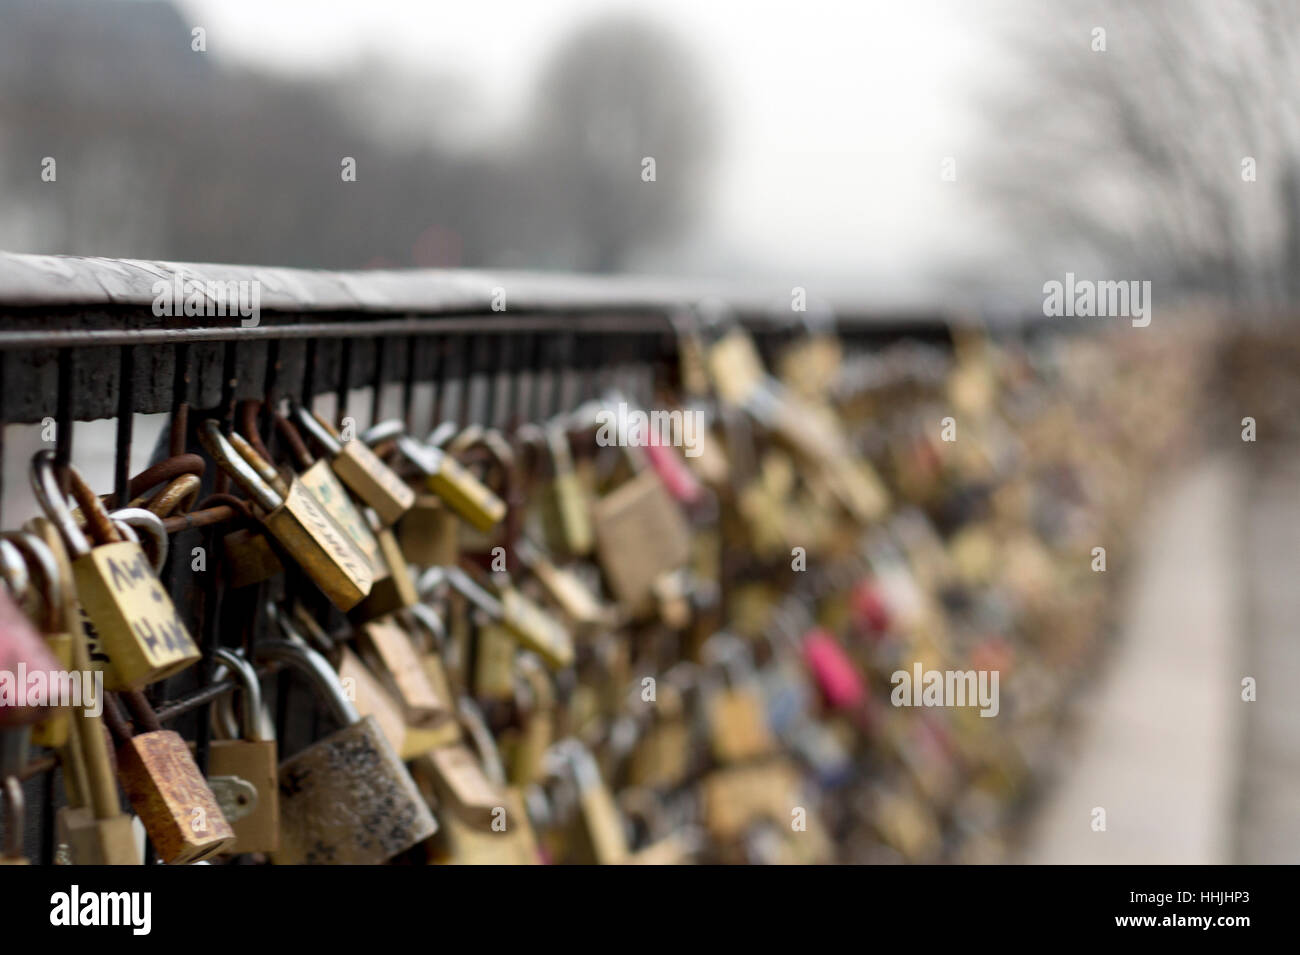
798	604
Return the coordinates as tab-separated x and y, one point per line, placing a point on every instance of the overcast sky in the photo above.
836	115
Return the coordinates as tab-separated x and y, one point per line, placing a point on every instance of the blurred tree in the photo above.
1135	158
164	152
619	92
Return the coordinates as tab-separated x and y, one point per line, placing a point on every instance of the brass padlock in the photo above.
472	500
428	532
360	469
567	504
141	637
346	799
605	838
563	586
485	820
536	694
250	762
737	718
531	626
387	647
165	787
301	525
12	851
92	826
393	587
640	511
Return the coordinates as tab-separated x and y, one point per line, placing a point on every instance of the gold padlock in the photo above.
640	510
360	469
301	525
141	637
345	799
243	772
92	826
471	499
166	788
387	647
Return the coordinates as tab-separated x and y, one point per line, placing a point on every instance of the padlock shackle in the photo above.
230	460
14	569
37	553
428	618
245	674
45	486
318	672
426	457
293	438
264	468
13	816
179	494
317	429
383	431
149	522
441	434
474	592
485	744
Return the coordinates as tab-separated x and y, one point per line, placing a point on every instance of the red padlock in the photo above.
870	608
838	679
680	481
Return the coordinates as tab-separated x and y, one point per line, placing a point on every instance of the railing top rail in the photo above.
34	281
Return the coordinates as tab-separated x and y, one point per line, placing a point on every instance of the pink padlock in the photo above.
680	481
836	676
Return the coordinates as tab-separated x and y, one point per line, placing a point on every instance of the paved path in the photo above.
1161	733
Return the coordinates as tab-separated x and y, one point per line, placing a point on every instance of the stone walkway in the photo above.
1160	742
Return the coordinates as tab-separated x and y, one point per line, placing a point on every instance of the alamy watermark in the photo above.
1084	298
947	688
635	428
51	688
193	298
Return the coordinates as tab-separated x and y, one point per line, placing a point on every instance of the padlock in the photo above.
604	839
564	587
838	679
360	469
24	653
249	763
249	558
661	756
429	532
387	648
531	626
432	655
323	484
737	719
640	535
567	505
301	525
485	820
92	826
141	637
535	690
468	497
346	799
12	851
52	732
166	788
393	586
736	797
